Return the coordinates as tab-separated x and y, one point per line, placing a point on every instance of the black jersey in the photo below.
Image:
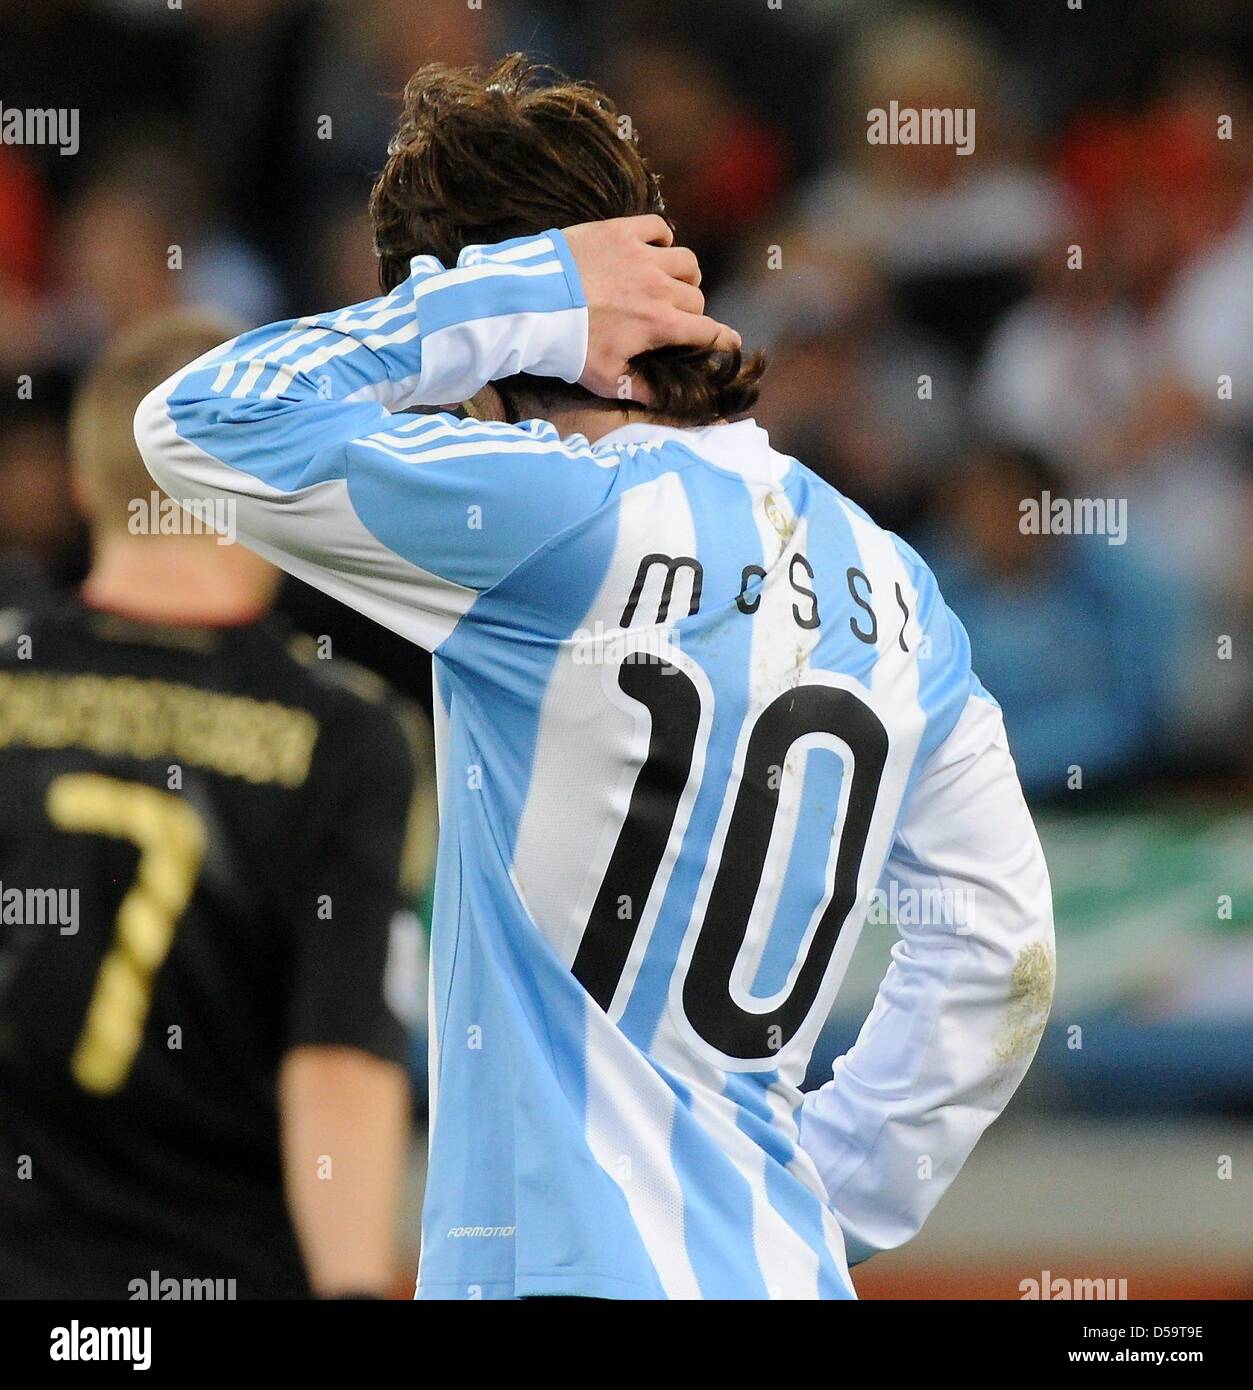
202	841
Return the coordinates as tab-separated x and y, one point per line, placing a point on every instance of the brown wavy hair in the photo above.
483	155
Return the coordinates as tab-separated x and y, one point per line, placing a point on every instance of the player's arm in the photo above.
959	1013
344	1080
409	518
345	1139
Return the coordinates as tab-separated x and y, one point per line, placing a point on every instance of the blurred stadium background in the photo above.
227	147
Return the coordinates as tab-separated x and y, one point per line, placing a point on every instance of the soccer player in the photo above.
692	704
203	1085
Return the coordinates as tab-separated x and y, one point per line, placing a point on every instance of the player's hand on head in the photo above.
643	292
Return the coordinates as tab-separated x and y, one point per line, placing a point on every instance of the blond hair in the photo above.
102	434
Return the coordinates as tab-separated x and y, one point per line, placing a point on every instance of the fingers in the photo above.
649	228
725	338
698	330
686	298
680	263
642	292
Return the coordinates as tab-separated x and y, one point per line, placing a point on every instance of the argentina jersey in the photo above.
686	697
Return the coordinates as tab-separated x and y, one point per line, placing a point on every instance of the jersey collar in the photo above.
742	447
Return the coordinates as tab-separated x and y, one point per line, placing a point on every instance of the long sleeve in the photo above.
959	1014
291	433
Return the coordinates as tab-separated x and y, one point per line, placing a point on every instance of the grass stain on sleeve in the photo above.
1030	997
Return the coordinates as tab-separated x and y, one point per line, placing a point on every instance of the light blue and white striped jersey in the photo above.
687	697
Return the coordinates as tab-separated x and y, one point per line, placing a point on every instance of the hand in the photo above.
642	292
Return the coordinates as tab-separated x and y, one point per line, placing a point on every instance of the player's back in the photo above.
168	794
651	870
678	740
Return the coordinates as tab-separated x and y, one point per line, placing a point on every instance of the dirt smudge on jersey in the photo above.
1030	996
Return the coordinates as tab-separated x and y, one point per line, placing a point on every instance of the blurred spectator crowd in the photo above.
1066	311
